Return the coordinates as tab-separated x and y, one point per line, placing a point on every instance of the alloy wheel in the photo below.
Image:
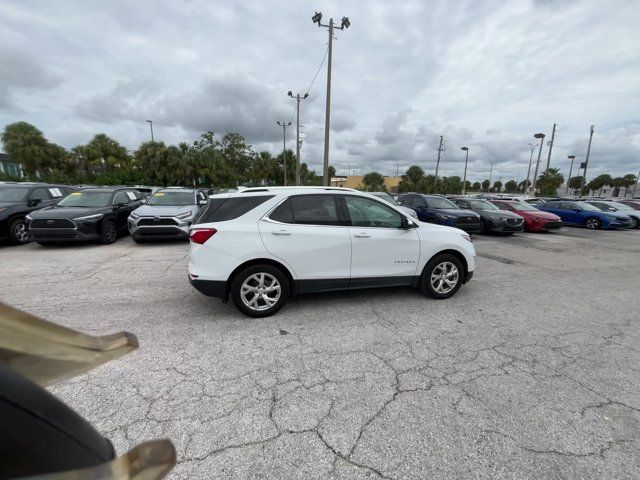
110	232
20	232
260	291
592	223
444	277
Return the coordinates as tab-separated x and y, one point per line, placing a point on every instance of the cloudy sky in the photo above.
487	75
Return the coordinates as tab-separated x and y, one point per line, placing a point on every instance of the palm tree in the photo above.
373	182
549	182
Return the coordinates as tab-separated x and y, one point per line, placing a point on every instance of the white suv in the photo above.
262	245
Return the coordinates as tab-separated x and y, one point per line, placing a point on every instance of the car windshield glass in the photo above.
386	197
13	194
482	205
587	206
434	202
86	198
172	198
621	206
524	206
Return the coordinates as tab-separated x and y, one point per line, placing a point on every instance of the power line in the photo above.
314	79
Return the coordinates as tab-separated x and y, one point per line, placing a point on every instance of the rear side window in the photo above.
223	209
308	210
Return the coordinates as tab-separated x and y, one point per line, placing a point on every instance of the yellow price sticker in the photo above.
76	193
158	194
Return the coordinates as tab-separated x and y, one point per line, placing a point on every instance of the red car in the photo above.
534	220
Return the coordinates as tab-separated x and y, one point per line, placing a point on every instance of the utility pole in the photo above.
284	148
572	158
466	160
553	135
438	160
298	98
535	175
151	125
526	184
490	175
327	118
397	170
586	161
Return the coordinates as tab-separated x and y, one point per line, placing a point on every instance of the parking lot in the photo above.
531	371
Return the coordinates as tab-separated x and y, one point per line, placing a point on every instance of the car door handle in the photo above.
281	232
361	235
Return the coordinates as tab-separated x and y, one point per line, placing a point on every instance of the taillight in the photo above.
201	235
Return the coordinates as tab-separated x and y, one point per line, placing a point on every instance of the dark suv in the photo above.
436	209
88	214
18	199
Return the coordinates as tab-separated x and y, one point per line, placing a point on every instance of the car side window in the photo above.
369	213
315	210
283	213
419	201
463	204
502	206
40	194
120	198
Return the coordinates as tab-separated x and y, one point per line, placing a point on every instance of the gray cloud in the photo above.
485	75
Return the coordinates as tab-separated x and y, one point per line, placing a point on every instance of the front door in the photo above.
309	234
383	252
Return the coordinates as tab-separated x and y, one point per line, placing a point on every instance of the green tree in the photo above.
476	186
27	146
372	182
497	186
628	180
332	172
486	184
412	179
449	185
511	186
575	183
601	181
549	182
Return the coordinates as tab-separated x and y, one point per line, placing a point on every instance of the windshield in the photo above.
589	207
13	194
435	202
86	198
621	206
168	198
524	206
482	205
386	197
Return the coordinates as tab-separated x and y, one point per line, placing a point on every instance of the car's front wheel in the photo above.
18	232
593	223
442	276
109	232
260	290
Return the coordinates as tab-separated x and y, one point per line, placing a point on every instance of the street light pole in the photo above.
526	183
466	160
151	125
572	158
284	126
535	175
490	175
327	118
298	98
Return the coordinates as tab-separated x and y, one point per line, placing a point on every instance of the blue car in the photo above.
435	209
584	214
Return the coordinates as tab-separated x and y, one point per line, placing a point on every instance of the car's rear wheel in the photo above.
442	276
635	223
593	223
18	233
260	290
109	232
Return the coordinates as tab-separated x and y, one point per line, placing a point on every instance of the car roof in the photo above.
178	189
105	189
286	191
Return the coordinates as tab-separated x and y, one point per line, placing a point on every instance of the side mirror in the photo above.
34	201
407	224
202	202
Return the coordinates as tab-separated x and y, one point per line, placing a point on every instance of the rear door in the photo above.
309	233
40	197
383	252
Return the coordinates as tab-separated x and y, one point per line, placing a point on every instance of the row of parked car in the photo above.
50	214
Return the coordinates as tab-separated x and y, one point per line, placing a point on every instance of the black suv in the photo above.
19	199
89	214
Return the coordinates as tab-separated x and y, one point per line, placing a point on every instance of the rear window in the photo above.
222	209
308	210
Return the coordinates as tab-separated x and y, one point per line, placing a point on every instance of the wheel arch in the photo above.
449	251
259	261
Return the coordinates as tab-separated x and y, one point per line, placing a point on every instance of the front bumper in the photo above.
468	224
620	224
504	226
64	231
158	227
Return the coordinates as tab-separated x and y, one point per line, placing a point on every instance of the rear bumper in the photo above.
210	288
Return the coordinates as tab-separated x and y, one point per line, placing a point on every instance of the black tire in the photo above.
636	222
593	223
18	233
109	232
433	268
250	276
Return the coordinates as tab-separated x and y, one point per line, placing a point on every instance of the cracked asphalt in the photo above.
531	371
